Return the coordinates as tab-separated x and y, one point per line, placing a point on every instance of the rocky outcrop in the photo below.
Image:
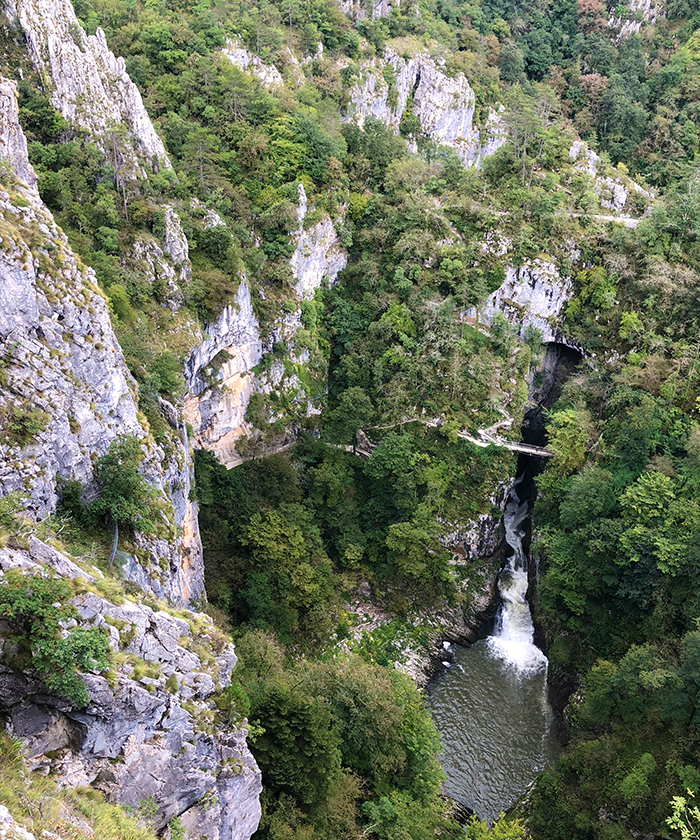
614	189
165	265
151	730
220	371
66	390
318	255
239	56
13	143
532	295
12	830
443	105
636	14
89	85
153	265
220	379
360	9
175	244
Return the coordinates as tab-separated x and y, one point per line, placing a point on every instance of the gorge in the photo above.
302	304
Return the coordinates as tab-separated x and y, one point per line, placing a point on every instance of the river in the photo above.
491	706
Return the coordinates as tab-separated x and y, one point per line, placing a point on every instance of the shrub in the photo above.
34	608
126	497
22	423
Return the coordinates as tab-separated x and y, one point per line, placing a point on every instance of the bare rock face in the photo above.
89	85
220	371
155	266
13	143
637	14
359	9
239	56
532	295
175	243
444	105
67	392
613	190
220	379
318	255
149	731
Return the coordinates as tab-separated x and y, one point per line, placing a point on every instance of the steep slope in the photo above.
66	395
89	86
394	86
220	372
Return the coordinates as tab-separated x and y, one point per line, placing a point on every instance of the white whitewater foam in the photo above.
513	638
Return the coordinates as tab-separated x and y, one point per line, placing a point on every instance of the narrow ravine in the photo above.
491	706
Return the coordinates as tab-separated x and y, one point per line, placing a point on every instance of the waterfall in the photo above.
513	637
492	708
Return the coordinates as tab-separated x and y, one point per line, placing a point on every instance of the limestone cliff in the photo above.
616	191
532	295
220	379
361	9
443	105
150	731
240	57
89	85
220	371
66	390
164	263
629	20
151	728
318	255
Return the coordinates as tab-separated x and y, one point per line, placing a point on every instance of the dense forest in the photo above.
345	744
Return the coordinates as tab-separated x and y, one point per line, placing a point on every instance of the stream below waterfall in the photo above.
491	705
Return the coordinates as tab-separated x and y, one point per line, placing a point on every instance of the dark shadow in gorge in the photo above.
558	365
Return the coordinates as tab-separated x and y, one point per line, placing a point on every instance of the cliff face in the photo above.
532	295
220	371
67	392
634	17
149	729
89	85
443	105
244	59
220	378
360	9
615	191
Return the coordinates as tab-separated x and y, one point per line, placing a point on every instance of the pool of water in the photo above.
496	726
491	706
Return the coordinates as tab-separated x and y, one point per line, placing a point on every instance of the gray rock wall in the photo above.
532	295
220	370
61	361
444	105
89	85
156	735
242	58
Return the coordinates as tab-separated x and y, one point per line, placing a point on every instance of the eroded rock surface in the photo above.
89	85
358	9
220	371
240	57
220	379
151	728
615	191
318	255
67	392
532	295
635	15
444	105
